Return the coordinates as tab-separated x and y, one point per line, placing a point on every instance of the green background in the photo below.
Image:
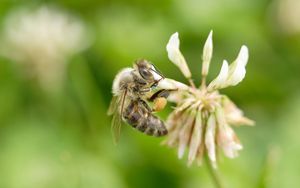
63	140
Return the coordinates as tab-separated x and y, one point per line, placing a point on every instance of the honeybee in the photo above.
132	87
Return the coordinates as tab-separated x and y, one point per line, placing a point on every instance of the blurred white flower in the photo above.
287	15
202	118
43	40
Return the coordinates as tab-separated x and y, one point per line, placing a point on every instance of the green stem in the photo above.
214	174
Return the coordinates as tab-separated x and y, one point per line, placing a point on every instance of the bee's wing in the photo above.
116	108
113	105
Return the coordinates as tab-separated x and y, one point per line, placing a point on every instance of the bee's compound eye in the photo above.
145	73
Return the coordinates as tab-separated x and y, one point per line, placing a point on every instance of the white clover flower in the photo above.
202	118
207	54
232	75
43	40
175	55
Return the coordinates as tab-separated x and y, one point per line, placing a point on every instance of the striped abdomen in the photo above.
138	115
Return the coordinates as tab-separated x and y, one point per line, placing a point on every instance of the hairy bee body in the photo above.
130	89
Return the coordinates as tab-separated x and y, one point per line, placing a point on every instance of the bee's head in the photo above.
148	71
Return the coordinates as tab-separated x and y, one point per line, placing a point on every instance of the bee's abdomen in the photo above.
152	126
144	121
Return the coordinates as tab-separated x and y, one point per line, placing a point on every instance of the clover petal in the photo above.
175	55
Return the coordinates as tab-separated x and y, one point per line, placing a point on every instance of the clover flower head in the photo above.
203	117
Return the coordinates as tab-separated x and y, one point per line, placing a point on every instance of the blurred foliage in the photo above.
63	139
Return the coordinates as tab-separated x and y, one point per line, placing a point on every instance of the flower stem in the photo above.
191	83
203	83
214	174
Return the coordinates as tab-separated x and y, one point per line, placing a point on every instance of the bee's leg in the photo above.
159	99
145	90
145	105
164	93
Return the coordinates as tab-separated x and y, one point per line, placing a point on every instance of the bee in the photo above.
131	88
